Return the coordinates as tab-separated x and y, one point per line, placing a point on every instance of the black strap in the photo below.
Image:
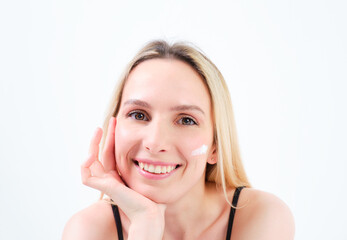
232	211
230	224
118	221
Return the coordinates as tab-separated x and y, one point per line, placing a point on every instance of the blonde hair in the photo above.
228	172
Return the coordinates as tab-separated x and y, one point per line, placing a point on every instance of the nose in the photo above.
156	138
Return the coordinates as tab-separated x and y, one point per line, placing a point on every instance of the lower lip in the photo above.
154	176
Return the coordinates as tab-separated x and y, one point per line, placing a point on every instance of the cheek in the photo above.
200	151
124	139
196	146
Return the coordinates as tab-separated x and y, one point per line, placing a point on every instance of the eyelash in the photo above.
133	115
189	118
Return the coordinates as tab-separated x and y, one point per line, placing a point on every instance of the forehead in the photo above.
170	80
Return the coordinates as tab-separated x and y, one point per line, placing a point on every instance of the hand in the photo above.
105	178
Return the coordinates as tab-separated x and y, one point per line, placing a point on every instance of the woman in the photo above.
170	159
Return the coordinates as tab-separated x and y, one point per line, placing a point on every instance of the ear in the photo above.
212	159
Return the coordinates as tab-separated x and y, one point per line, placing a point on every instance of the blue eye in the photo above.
138	116
187	121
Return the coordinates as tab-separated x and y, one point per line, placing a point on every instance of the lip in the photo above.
155	162
154	176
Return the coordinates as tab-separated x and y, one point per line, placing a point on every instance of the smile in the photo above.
156	168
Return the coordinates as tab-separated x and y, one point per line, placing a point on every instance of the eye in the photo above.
187	121
138	116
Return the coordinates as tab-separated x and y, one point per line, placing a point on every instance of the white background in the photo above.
284	61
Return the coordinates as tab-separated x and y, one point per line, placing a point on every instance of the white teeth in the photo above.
156	169
151	168
145	167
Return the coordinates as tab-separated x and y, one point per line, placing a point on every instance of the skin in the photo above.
153	125
165	133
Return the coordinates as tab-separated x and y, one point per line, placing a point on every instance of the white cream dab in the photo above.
201	150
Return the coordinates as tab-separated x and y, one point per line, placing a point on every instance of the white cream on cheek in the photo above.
200	151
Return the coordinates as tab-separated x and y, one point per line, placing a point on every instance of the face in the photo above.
164	131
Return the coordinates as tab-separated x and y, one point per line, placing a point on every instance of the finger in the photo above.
93	155
91	170
102	184
88	162
97	169
85	171
108	155
85	174
94	144
94	182
86	167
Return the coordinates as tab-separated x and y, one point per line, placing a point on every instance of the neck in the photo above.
189	216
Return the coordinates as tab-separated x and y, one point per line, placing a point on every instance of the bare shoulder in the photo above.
92	223
261	215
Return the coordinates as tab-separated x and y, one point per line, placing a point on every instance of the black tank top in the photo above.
230	223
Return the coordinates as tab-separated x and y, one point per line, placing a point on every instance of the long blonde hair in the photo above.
228	172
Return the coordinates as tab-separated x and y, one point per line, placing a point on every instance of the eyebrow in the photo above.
137	102
176	108
187	108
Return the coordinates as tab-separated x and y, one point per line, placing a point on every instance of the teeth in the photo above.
156	169
151	168
145	167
